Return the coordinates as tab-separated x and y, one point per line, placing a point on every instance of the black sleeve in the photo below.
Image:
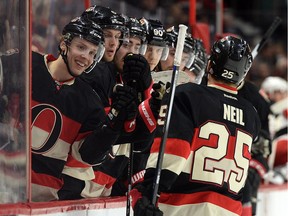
251	93
97	145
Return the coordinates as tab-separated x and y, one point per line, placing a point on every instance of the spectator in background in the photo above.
151	9
275	88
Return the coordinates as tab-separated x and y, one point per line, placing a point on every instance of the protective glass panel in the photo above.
48	19
14	71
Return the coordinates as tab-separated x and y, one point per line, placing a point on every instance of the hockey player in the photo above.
102	78
136	44
107	173
208	148
102	81
67	115
261	148
193	63
188	54
113	25
197	69
157	48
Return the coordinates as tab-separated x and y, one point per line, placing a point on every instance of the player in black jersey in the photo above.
261	149
157	48
68	118
103	77
188	54
107	173
102	81
208	148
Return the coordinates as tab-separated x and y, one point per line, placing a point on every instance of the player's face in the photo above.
112	37
80	56
133	46
168	63
153	55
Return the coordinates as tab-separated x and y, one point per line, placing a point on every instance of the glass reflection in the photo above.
13	72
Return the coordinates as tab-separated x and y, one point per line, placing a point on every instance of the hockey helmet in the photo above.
137	30
107	19
189	43
230	59
88	30
156	35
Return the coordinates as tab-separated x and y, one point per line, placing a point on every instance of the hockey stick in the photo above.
130	173
177	62
266	36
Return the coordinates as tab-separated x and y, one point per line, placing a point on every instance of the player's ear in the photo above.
62	45
209	65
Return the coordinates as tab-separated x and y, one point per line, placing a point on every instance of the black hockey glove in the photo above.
123	106
144	207
156	97
262	145
136	73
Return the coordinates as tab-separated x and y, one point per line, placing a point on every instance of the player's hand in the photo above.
262	145
144	207
136	72
123	106
156	97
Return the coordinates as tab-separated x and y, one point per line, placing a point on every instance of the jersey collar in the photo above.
224	87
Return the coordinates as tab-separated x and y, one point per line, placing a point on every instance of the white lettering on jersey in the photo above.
233	114
138	176
146	114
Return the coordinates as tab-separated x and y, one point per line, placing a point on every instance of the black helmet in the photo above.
88	30
189	43
136	29
172	36
107	18
85	29
231	59
156	34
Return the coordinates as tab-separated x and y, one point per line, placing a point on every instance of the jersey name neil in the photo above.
233	114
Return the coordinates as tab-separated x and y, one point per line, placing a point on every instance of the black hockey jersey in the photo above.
71	119
102	79
207	152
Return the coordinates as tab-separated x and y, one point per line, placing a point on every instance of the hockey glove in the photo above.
136	73
156	97
144	207
149	109
123	106
262	145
